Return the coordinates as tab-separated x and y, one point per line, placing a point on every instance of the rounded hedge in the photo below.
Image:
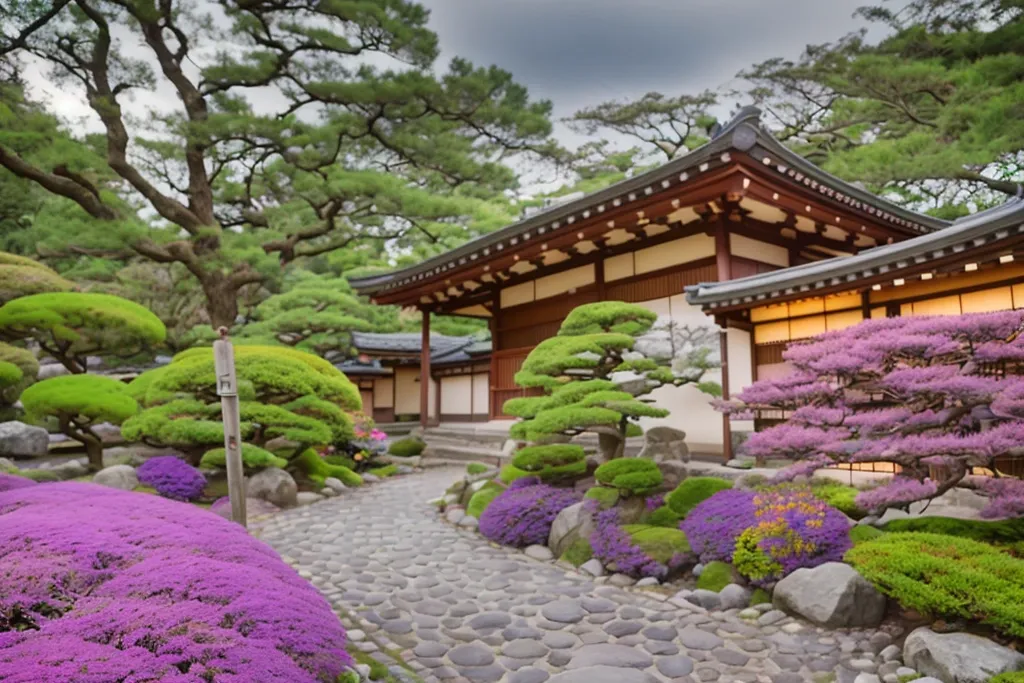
693	491
552	462
172	478
25	361
253	457
946	576
141	588
407	447
716	576
633	476
606	497
84	397
481	499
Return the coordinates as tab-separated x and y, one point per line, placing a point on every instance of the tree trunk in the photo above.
221	301
94	449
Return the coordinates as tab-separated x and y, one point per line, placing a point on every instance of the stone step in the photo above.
467	441
488	436
463	454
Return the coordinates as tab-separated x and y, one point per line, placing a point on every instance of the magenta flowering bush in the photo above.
523	514
713	526
9	482
935	396
172	478
793	529
136	588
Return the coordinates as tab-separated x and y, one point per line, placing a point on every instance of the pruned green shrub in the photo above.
10	374
760	597
79	402
253	458
479	501
716	576
385	471
21	276
510	473
838	495
476	468
694	491
632	476
605	496
661	544
578	553
1001	532
317	470
25	362
552	462
863	532
944	576
407	447
40	475
664	516
1010	677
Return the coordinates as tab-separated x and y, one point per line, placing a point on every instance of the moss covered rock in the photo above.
253	458
715	577
694	491
606	497
407	447
578	553
480	499
552	462
659	543
631	476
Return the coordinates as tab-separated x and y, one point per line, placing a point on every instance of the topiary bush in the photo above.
27	365
604	496
21	276
481	499
716	576
79	402
794	530
474	468
713	526
578	553
945	576
637	550
693	491
172	478
253	458
40	475
663	516
510	473
760	597
523	514
70	326
407	447
145	589
318	470
630	476
863	532
384	472
1002	532
552	462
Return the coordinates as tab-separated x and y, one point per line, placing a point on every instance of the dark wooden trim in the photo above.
599	277
381	415
461	417
689	265
723	343
769	353
865	304
723	254
425	369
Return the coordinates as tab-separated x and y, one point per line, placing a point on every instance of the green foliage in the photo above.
607	497
21	276
760	597
40	475
753	562
664	516
70	325
385	471
838	495
632	476
10	374
608	316
509	473
552	462
81	399
253	458
407	447
945	576
27	365
477	468
479	501
1010	677
693	491
1001	532
317	470
578	553
716	576
863	532
659	543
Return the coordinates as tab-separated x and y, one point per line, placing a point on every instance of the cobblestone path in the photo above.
456	608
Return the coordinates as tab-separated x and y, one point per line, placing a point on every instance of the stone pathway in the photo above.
456	608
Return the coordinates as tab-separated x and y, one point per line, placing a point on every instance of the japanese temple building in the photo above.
741	228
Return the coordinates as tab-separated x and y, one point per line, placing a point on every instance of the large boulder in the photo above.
571	524
19	440
833	595
254	507
672	472
273	485
118	477
665	443
958	657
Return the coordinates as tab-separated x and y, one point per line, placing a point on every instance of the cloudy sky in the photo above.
578	53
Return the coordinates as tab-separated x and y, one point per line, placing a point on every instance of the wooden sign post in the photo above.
227	389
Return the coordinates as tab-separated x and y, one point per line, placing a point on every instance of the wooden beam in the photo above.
425	369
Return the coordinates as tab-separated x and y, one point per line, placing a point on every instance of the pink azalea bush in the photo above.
172	478
9	482
523	514
935	396
100	585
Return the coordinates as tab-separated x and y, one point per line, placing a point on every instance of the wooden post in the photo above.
425	370
227	389
723	263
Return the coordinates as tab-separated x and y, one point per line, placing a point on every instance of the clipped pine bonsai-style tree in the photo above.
595	382
70	326
80	402
20	369
285	395
21	276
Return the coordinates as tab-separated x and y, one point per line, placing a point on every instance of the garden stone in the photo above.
697	570
740	464
665	443
370	478
254	507
647	581
958	657
672	473
675	667
621	580
472	654
118	476
749	613
529	675
833	595
607	654
454	515
307	498
335	485
273	485
469	522
327	493
571	524
865	677
7	467
603	674
19	440
734	596
563	612
69	470
593	567
695	639
705	598
539	552
891	654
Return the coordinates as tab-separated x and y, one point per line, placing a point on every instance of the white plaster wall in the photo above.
384	392
407	393
481	393
457	395
741	370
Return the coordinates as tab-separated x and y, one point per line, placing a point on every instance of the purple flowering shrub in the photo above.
136	588
637	550
713	526
794	529
172	478
523	514
936	396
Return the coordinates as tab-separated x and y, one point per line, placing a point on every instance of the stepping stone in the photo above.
524	649
563	611
603	674
695	639
605	654
674	667
471	654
